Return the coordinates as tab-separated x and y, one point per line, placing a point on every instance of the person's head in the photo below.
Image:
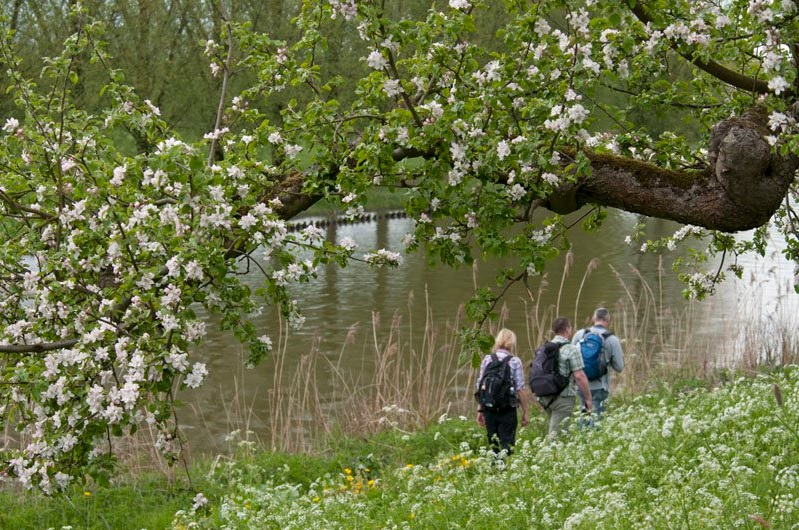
562	326
505	340
602	316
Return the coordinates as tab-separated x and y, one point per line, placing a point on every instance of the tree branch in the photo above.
39	347
713	68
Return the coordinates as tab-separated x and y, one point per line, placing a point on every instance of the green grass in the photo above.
689	455
147	503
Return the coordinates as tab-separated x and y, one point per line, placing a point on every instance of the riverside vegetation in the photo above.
685	445
684	456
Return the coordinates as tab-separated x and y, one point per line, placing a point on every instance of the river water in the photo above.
341	305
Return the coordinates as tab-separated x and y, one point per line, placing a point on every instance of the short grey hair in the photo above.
602	315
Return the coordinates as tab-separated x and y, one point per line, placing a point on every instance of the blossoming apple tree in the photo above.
110	246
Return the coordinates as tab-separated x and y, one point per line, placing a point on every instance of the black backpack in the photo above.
545	376
496	390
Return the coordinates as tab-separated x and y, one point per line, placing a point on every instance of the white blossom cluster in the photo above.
115	250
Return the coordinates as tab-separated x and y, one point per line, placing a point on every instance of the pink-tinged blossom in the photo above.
402	135
503	149
389	44
778	84
383	257
173	267
113	413
145	281
542	27
167	320
313	233
119	175
178	360
197	375
171	297
266	341
67	163
11	125
771	61
95	399
280	56
216	134
292	150
492	71
392	87
460	4
779	121
455	175
248	221
550	178
760	9
346	8
591	65
195	330
578	113
129	394
296	318
169	144
516	192
722	21
275	138
376	60
155	110
348	244
458	151
435	108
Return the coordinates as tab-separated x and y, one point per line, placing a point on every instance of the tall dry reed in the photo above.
409	370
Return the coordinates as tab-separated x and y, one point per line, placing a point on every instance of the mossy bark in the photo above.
741	187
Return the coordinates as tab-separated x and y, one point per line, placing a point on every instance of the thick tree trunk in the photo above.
741	187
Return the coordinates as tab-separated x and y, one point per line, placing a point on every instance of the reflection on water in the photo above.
341	303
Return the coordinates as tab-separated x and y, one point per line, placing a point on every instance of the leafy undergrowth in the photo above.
683	457
703	458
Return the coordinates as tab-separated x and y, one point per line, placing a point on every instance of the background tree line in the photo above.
159	47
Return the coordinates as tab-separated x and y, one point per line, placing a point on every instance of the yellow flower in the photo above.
348	471
87	493
316	499
409	466
350	478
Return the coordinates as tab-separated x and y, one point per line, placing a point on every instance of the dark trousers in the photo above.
501	427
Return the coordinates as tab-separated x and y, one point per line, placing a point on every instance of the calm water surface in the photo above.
340	305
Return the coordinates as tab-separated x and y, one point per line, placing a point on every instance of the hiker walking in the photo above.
559	405
500	390
610	356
